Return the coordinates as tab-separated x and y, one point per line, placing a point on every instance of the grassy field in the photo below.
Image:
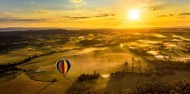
17	55
122	60
103	60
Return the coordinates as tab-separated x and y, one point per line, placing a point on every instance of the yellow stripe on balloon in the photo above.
60	64
65	65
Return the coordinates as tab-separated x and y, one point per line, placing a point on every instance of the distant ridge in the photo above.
9	29
12	29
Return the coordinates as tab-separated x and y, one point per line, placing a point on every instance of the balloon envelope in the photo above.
63	66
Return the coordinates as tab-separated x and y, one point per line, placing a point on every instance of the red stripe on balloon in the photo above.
63	67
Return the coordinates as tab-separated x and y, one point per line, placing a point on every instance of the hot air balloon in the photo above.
63	66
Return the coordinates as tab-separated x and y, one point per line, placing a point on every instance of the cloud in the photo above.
41	11
185	13
88	17
32	2
181	17
106	15
9	17
5	14
161	16
154	6
17	10
20	20
165	15
99	10
78	3
77	17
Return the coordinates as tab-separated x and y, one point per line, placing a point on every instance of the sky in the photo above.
94	13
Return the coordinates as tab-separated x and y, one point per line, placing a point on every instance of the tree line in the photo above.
86	77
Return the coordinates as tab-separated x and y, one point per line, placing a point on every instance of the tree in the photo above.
139	64
132	61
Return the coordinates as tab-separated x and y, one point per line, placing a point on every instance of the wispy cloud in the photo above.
153	6
165	15
42	11
32	2
78	3
20	20
7	14
185	13
106	15
8	17
181	17
76	17
88	17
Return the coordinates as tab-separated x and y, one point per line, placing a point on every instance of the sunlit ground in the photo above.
123	59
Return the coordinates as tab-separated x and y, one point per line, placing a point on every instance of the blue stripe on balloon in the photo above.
68	65
58	64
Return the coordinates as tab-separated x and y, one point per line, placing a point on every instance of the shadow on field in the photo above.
45	87
80	88
116	84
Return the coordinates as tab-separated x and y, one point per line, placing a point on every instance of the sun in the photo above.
134	14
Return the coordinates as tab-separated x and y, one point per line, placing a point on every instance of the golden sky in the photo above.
94	13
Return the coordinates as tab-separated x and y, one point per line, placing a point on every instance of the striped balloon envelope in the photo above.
63	66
